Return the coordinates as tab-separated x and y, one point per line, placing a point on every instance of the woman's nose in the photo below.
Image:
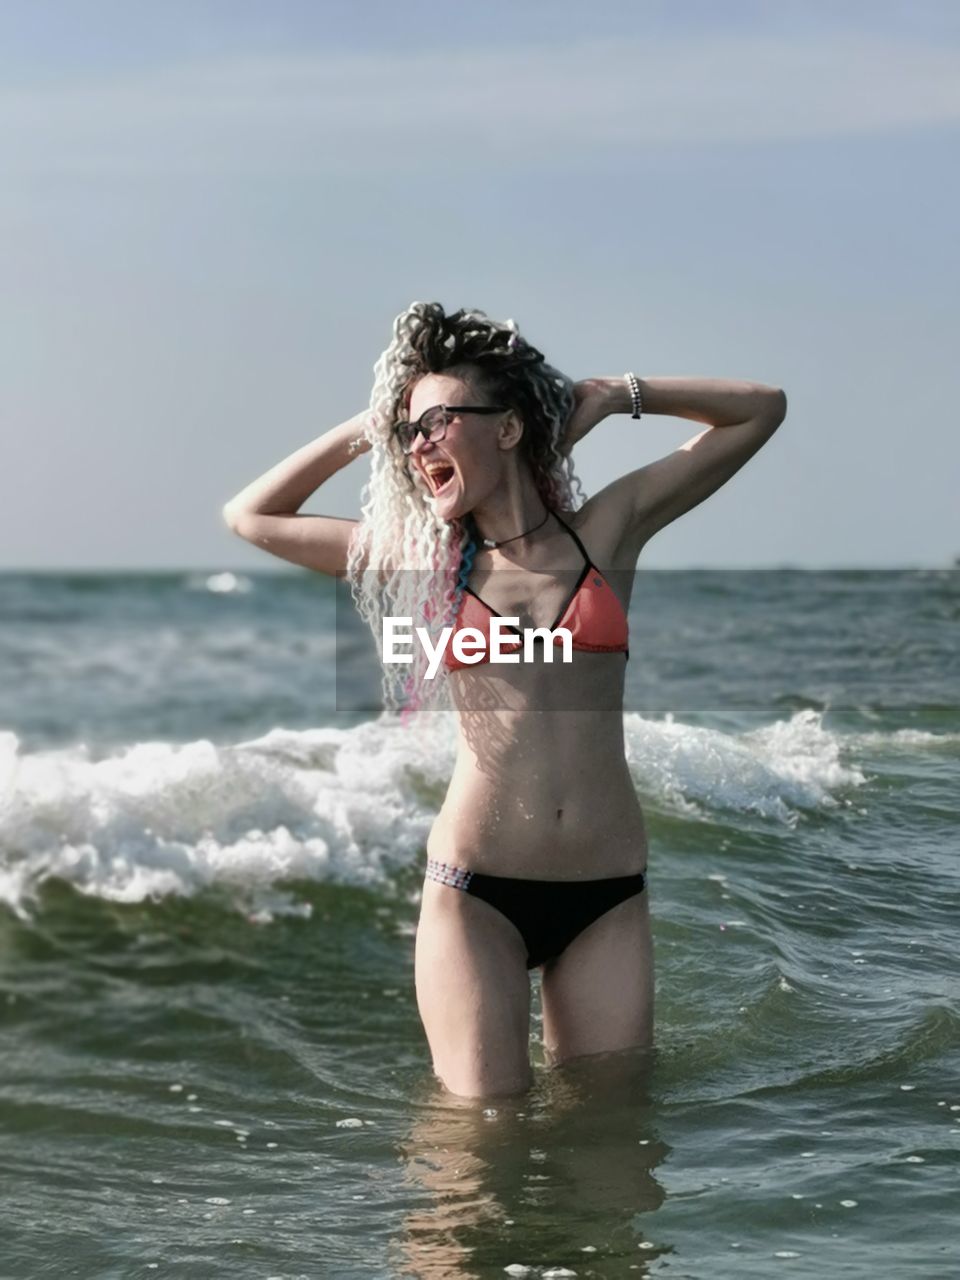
420	442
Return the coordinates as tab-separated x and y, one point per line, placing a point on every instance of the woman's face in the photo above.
467	464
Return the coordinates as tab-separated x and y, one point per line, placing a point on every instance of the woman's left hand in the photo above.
591	404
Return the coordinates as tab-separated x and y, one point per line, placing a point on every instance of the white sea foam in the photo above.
342	805
775	771
225	583
158	819
904	738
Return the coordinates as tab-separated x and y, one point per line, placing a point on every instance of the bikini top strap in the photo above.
583	550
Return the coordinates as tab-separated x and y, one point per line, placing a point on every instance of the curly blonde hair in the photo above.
403	558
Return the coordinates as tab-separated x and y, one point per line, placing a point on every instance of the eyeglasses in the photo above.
433	423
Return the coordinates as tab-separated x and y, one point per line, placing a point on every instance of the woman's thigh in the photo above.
598	994
473	993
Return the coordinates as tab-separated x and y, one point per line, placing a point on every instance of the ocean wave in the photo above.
339	805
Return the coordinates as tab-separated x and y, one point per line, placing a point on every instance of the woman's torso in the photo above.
541	787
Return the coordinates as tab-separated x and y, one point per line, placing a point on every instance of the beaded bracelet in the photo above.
634	386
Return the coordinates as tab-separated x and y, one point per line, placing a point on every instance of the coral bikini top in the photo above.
593	615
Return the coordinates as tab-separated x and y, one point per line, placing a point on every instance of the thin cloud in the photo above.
367	112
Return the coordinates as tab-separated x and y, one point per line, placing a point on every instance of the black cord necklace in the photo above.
489	542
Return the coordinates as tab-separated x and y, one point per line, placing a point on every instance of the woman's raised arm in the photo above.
742	416
265	513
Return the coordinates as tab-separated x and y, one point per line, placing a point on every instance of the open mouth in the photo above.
439	479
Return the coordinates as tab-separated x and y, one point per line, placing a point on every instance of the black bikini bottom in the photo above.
548	913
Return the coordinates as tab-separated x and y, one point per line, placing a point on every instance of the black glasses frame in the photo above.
406	432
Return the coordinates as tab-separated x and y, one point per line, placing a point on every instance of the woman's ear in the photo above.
510	430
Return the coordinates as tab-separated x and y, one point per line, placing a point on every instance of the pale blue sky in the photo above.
211	211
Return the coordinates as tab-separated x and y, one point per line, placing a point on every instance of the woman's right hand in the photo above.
592	403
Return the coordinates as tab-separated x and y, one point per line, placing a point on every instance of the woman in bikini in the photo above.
538	856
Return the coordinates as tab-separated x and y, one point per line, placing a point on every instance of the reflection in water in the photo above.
568	1165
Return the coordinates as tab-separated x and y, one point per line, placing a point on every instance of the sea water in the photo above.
211	851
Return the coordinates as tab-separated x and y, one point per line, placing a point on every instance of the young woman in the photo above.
538	856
